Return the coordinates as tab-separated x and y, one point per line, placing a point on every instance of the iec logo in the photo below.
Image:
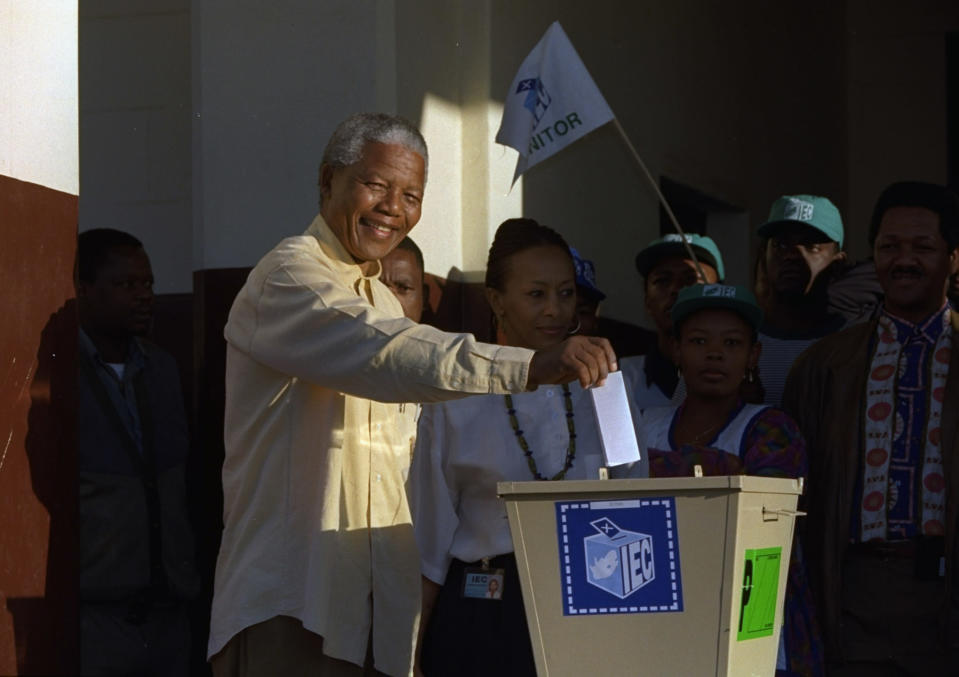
722	290
619	557
798	210
618	561
537	98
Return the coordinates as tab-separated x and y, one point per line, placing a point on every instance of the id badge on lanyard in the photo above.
483	582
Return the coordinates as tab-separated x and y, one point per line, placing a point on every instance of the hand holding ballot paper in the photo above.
586	358
615	420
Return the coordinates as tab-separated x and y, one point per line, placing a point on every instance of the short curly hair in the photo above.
931	196
94	247
345	146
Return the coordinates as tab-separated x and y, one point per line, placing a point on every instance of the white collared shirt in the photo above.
464	448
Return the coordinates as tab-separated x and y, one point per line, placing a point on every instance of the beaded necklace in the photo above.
570	450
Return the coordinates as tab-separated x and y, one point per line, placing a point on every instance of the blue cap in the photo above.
586	275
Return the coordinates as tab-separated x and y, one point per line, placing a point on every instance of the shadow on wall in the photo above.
459	306
46	628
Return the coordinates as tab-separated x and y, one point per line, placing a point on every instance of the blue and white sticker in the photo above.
619	557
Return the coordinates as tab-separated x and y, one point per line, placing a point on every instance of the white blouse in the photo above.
464	447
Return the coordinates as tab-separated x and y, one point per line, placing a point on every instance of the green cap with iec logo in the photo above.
810	210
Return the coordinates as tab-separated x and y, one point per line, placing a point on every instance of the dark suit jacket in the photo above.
824	393
115	486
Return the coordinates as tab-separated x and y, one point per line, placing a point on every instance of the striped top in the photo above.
781	350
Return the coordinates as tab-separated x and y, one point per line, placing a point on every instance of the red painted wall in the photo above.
38	326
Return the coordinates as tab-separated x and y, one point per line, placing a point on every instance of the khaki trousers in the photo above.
281	646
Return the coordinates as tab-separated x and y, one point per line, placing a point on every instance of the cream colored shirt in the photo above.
316	520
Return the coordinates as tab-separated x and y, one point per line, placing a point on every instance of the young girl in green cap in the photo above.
715	328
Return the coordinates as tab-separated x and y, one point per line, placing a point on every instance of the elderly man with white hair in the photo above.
318	571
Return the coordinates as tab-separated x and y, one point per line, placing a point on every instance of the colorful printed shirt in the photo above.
772	445
918	343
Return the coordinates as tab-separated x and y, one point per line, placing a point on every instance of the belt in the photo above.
926	553
138	607
886	549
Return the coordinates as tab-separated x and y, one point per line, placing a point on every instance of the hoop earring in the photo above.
579	325
750	376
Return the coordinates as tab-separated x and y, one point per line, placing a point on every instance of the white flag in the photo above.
551	103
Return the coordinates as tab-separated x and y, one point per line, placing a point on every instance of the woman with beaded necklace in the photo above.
465	447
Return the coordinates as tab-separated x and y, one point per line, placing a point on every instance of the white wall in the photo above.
896	99
722	97
446	73
271	81
135	129
204	120
38	97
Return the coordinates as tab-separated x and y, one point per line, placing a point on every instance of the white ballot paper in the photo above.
615	421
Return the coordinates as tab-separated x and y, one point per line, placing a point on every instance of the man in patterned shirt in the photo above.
876	404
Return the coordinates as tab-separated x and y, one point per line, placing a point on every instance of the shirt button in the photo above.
379	426
549	393
378	477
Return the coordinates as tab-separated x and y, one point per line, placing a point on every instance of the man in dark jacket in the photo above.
136	544
877	405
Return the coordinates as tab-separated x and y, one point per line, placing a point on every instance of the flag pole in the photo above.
662	198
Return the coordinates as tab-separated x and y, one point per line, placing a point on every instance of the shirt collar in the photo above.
929	330
135	355
334	249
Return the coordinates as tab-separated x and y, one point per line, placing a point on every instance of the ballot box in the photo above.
654	577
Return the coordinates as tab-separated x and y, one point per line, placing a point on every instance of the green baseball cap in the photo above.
672	245
727	297
809	210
